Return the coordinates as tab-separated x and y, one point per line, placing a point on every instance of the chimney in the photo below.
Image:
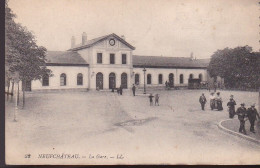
191	56
73	41
123	37
84	38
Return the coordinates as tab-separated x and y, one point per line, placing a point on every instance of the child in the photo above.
151	99
156	97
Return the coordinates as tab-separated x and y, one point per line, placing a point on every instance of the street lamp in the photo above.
144	81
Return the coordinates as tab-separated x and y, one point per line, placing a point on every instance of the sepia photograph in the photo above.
132	82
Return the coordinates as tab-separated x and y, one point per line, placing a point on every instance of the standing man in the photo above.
202	101
133	89
151	99
156	97
166	85
121	89
231	105
242	114
252	113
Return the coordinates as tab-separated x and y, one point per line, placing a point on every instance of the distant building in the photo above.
107	62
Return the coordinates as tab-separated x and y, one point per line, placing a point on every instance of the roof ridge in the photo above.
159	56
91	42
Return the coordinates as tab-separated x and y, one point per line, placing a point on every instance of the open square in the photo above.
105	123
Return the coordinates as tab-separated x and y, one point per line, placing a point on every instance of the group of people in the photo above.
243	114
215	101
156	97
119	90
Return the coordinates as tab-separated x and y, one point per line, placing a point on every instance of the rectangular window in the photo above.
45	80
99	58
112	58
123	58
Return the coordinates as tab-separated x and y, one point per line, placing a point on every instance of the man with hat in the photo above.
202	101
231	105
252	113
242	114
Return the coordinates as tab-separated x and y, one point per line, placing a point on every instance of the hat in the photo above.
231	96
253	105
242	104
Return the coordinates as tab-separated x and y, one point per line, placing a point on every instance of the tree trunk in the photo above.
16	104
12	90
18	94
24	94
259	100
8	88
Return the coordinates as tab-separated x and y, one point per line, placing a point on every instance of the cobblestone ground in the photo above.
104	123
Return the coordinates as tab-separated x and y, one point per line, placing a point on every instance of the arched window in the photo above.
171	80
181	78
160	79
200	77
191	76
112	80
45	80
80	79
124	80
137	79
63	79
99	81
149	79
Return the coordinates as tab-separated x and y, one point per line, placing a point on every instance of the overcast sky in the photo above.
166	27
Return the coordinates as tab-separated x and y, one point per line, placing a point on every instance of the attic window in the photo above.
112	58
123	58
99	58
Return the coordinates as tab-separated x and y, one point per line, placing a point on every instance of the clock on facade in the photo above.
112	42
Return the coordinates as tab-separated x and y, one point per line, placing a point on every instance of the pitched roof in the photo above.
92	42
168	62
64	57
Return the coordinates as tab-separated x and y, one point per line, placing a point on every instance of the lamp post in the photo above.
144	80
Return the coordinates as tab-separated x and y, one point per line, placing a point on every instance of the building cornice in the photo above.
167	67
61	64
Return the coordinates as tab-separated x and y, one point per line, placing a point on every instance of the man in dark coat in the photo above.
121	89
151	99
252	113
166	85
202	101
133	89
242	114
231	105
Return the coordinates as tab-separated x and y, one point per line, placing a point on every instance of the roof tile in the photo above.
171	62
64	57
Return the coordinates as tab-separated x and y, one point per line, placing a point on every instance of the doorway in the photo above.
112	80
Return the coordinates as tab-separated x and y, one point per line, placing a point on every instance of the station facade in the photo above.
107	62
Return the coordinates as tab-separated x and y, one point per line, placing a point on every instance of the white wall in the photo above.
106	68
106	71
71	77
166	71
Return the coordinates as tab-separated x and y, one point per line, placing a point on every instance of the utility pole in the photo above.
144	80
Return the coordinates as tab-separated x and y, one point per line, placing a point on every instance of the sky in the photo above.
154	27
